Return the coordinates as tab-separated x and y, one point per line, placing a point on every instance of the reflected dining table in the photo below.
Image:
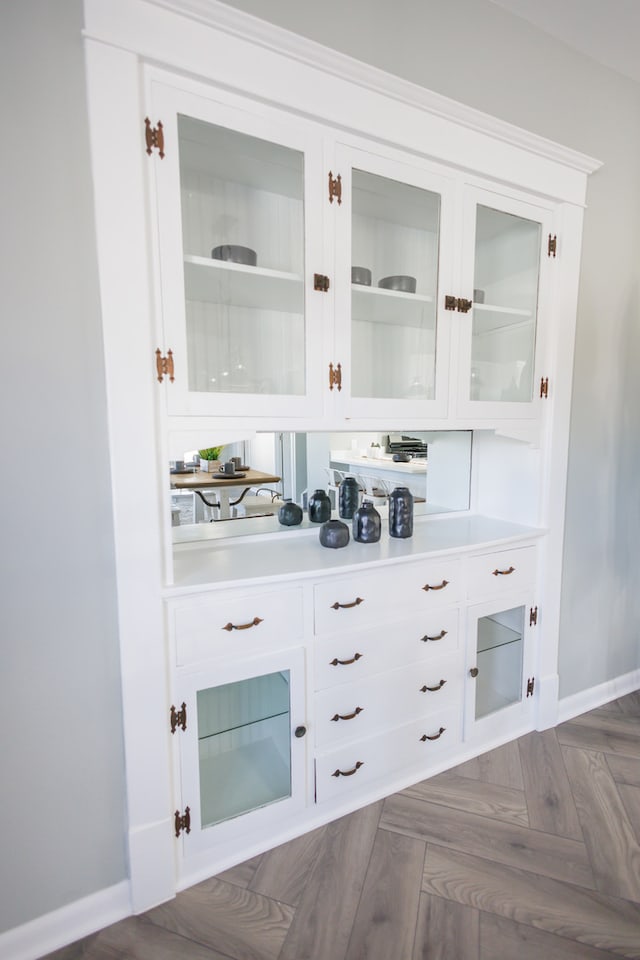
226	487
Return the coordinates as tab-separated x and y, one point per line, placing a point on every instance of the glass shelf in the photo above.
492	634
220	281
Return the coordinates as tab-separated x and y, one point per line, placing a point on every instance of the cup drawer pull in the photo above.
439	586
434	736
438	636
348	773
435	689
347	716
242	626
345	663
347	606
503	573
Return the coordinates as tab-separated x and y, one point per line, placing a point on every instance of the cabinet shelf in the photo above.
492	635
394	307
236	284
240	726
497	319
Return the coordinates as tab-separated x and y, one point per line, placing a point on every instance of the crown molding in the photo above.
296	47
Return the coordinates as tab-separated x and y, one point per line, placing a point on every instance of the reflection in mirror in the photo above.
271	468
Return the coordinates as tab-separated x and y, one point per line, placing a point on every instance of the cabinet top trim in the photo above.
116	22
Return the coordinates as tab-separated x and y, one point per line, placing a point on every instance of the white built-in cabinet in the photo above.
270	685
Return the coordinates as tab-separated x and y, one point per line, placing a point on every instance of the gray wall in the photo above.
62	785
477	53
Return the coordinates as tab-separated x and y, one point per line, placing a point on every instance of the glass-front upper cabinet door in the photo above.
505	271
233	197
389	264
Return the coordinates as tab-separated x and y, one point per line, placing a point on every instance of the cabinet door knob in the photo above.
300	732
473	672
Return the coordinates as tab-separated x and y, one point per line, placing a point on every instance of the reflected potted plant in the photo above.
209	459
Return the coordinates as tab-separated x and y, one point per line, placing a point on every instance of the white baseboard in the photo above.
586	700
66	925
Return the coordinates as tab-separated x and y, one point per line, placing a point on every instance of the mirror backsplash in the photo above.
435	465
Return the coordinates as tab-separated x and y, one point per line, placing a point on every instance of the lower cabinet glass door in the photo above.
499	675
242	755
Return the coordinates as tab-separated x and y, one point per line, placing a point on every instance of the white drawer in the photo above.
495	573
375	704
351	602
356	654
421	744
234	624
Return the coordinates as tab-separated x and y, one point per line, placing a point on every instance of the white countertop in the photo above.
298	553
383	462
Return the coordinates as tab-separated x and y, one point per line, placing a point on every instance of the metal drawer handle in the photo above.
435	736
347	606
348	716
503	573
427	689
242	626
438	636
441	586
348	773
345	663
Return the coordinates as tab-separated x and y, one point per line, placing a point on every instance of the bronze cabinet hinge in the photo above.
552	246
531	682
457	303
178	718
183	822
533	616
544	387
154	137
335	376
164	365
321	283
335	188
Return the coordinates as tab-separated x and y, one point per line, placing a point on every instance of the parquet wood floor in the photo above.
530	851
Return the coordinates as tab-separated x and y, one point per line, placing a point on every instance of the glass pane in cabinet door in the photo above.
499	661
394	257
243	746
505	302
242	227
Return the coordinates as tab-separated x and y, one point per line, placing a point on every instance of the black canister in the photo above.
290	514
334	534
319	507
401	512
367	523
348	497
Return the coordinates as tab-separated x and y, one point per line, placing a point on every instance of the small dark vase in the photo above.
290	514
334	534
367	524
319	507
401	512
348	497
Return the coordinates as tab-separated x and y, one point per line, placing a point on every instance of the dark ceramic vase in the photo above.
401	513
367	524
348	497
319	507
290	514
334	534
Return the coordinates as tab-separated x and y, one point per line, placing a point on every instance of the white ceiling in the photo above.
605	30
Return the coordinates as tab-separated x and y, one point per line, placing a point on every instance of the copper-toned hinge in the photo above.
154	137
463	306
531	682
320	282
335	376
178	718
552	246
544	387
533	616
335	188
181	823
450	303
164	365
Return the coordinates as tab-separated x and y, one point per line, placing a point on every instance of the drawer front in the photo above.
356	710
235	625
495	573
352	602
421	743
352	656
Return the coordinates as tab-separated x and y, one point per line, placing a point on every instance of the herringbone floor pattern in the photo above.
530	851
